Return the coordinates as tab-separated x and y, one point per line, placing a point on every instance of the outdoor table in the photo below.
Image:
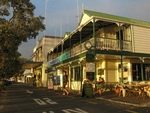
136	89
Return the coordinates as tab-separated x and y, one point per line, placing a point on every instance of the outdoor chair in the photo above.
147	89
131	90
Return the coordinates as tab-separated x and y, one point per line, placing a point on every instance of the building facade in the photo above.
39	59
113	47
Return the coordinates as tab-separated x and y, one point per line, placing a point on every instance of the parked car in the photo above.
7	82
2	87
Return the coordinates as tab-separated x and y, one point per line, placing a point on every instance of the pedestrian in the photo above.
65	83
100	85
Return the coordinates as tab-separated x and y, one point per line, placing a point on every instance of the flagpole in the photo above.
61	27
45	15
78	10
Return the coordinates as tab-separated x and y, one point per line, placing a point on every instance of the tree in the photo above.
17	25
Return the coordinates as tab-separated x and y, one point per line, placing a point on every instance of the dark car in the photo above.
2	87
7	82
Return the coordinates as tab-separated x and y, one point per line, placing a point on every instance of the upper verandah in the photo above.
88	16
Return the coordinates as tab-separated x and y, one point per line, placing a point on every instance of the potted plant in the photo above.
117	89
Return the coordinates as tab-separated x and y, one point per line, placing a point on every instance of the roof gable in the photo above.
87	14
66	34
84	18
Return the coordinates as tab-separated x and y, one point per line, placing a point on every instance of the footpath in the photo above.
130	100
111	96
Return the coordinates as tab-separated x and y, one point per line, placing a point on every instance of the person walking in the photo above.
100	85
65	83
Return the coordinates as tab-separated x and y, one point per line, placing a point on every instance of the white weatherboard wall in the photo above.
141	39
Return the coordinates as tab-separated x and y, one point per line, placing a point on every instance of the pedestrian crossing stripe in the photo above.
75	110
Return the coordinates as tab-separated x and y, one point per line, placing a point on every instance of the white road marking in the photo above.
77	110
44	101
49	112
40	102
49	101
29	91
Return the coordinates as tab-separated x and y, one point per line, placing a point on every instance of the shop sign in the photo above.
54	61
90	67
50	82
64	56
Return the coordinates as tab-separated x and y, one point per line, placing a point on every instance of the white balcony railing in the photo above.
103	44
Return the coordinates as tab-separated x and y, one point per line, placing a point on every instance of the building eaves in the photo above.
31	64
117	18
51	37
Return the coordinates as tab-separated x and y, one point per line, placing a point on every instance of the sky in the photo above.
63	15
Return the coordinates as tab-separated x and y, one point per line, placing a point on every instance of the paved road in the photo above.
21	98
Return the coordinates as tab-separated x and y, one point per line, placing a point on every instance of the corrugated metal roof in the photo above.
117	18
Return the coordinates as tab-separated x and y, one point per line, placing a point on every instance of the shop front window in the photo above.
136	72
147	72
77	74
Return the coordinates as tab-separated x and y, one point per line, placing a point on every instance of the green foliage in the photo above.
17	25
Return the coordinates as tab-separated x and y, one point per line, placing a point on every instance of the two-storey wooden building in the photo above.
113	47
38	63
